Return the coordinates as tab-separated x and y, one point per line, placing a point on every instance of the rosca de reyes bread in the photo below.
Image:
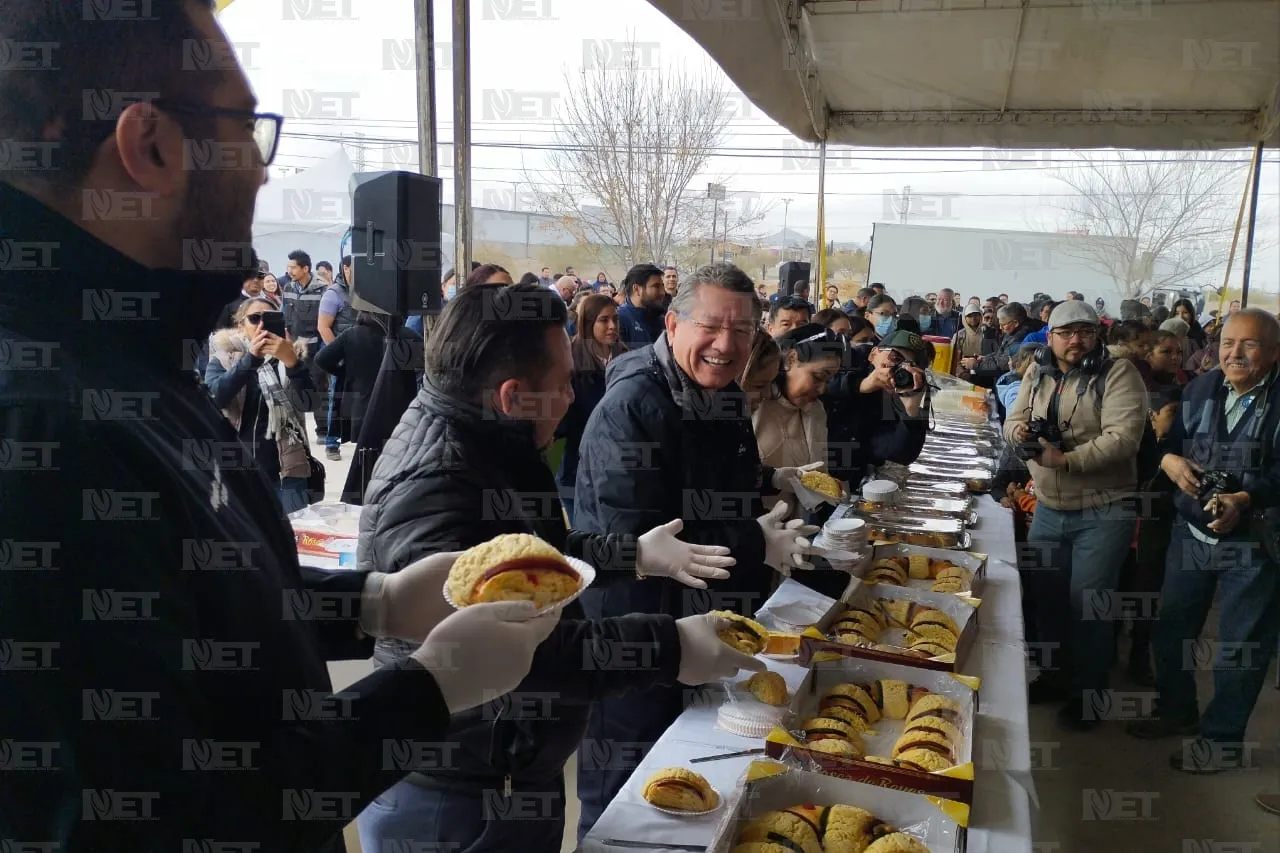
768	687
814	829
897	843
936	705
681	790
823	483
512	567
745	635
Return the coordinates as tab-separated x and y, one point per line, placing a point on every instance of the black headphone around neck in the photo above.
1090	365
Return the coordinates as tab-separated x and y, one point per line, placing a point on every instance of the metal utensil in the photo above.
652	845
725	755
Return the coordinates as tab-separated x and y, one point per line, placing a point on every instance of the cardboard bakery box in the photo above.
771	786
952	783
974	563
818	643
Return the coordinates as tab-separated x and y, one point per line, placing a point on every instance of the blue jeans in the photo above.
1075	556
410	817
331	437
293	494
1248	625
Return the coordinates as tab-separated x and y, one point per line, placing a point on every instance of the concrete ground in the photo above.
1097	791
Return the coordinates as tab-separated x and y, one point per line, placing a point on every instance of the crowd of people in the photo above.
164	651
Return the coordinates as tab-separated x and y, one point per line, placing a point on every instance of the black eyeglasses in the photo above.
266	126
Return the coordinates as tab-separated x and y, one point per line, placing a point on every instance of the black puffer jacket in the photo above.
452	477
658	447
865	430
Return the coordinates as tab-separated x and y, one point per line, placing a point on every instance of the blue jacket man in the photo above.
640	317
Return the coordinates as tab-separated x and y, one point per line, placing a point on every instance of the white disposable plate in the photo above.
795	617
677	812
585	570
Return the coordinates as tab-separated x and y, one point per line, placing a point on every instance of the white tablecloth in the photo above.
1003	791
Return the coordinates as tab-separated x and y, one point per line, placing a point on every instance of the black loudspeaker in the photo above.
395	242
791	274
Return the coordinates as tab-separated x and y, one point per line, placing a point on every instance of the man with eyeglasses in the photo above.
1085	472
1014	326
672	438
164	653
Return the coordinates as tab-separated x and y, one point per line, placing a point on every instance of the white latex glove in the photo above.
703	657
661	554
782	477
483	651
785	545
407	604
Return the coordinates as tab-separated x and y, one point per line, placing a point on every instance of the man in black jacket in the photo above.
1014	326
163	661
672	438
464	465
251	287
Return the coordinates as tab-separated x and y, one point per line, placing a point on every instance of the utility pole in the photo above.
715	192
724	248
425	37
462	137
786	209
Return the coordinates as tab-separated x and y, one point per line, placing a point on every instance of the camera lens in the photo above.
902	379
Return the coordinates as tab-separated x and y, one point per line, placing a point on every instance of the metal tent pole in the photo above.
462	138
1253	221
818	284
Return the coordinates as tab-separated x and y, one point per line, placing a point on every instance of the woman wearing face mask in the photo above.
791	424
761	370
595	344
882	311
261	383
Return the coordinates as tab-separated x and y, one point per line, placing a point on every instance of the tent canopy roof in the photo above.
1145	74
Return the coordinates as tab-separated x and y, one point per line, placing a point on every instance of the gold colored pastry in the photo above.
810	814
897	611
782	644
935	617
925	760
937	634
835	746
950	586
918	567
951	571
936	725
886	571
937	705
849	829
768	687
897	843
818	728
936	566
933	650
681	790
854	639
794	833
861	621
822	482
892	698
745	635
922	739
853	696
847	715
512	567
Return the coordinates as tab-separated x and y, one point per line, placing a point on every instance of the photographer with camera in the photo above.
1078	422
1222	455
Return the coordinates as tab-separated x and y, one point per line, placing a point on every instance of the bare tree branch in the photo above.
1165	221
632	141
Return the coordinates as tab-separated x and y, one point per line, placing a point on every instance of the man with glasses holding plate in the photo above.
1078	422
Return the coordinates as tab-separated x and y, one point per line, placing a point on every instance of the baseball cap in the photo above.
1071	313
973	308
902	339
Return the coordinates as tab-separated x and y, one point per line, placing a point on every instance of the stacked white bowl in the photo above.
880	492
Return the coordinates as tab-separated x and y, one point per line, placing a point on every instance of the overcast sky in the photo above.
348	64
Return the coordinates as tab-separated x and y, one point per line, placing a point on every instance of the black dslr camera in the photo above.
1037	429
1214	483
903	379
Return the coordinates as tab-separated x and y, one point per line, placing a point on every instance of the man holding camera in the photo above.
1078	422
1222	456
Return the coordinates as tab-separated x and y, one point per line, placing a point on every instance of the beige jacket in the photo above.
1103	445
788	436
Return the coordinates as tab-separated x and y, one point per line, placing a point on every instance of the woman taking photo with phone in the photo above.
259	379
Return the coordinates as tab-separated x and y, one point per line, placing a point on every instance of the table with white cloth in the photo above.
1000	821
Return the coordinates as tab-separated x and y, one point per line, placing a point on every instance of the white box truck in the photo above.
912	260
